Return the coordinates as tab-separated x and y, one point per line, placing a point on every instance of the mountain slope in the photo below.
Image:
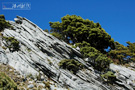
40	53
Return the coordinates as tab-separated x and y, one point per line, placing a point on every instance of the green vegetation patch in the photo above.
124	54
109	76
98	60
71	65
4	23
73	28
6	83
57	35
12	43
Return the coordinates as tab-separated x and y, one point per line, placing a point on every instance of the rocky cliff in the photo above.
40	53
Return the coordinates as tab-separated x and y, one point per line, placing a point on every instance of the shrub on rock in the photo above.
71	65
4	23
109	77
12	43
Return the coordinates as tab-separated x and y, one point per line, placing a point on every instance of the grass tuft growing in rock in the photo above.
6	83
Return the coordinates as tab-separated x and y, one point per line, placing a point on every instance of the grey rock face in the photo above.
125	75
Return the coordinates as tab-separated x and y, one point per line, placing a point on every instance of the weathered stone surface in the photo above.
125	75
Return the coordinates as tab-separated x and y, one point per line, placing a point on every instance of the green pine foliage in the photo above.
102	62
98	60
75	29
46	30
2	17
122	53
4	23
12	43
71	65
92	40
87	50
57	35
83	44
6	83
131	47
109	77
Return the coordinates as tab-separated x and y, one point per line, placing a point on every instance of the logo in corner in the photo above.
16	6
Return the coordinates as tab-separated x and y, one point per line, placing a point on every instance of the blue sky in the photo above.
117	17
